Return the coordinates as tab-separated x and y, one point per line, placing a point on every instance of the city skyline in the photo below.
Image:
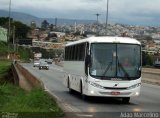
142	12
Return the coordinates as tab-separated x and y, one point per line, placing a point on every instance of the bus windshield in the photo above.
121	61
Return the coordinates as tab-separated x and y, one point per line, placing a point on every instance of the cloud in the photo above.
118	9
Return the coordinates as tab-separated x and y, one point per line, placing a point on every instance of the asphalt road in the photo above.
148	101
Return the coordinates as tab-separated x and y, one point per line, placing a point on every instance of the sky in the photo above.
136	12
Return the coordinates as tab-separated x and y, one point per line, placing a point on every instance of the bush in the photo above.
147	60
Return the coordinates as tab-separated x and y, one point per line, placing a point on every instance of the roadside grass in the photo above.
16	100
36	102
4	67
27	104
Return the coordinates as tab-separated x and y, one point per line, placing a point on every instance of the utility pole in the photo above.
14	37
9	27
107	17
55	23
75	26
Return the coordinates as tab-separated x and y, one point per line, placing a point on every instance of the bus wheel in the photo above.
84	97
70	90
126	100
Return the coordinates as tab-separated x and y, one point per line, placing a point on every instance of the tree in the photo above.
44	25
4	21
21	30
148	38
146	59
51	27
33	25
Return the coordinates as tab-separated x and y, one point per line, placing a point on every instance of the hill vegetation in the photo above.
18	29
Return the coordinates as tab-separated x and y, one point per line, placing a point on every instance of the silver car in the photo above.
43	65
36	63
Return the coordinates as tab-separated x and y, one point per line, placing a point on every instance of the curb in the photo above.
67	109
32	80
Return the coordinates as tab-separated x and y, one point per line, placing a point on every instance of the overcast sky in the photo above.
137	12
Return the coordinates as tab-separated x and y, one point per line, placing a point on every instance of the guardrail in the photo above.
15	74
22	74
24	78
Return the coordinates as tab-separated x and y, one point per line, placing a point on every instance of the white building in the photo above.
3	34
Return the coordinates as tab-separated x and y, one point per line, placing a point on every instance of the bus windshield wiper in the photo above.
120	66
107	68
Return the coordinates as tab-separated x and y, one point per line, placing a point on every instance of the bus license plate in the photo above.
115	93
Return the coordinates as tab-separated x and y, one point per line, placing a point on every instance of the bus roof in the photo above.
106	39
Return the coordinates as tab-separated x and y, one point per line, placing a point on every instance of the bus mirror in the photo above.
88	60
87	63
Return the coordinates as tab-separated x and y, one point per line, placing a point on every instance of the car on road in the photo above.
49	61
36	63
43	65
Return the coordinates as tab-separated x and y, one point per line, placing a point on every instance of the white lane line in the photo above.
85	115
58	69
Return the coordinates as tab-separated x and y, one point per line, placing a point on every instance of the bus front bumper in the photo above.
93	91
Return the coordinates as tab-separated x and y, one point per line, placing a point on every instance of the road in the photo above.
148	101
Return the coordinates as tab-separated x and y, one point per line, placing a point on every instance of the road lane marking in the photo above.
84	115
57	69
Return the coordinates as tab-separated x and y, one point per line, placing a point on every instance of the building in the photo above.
47	45
3	34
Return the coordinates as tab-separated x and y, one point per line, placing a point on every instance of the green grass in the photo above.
25	53
4	67
35	102
3	47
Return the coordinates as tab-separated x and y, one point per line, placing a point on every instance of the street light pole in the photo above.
9	25
107	17
9	29
14	38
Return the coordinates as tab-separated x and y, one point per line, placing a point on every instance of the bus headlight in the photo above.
95	85
134	86
92	92
137	93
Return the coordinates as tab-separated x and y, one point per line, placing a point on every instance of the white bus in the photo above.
94	67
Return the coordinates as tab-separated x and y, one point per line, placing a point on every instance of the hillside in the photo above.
26	19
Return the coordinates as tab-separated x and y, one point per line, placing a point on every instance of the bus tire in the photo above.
126	100
84	97
70	90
